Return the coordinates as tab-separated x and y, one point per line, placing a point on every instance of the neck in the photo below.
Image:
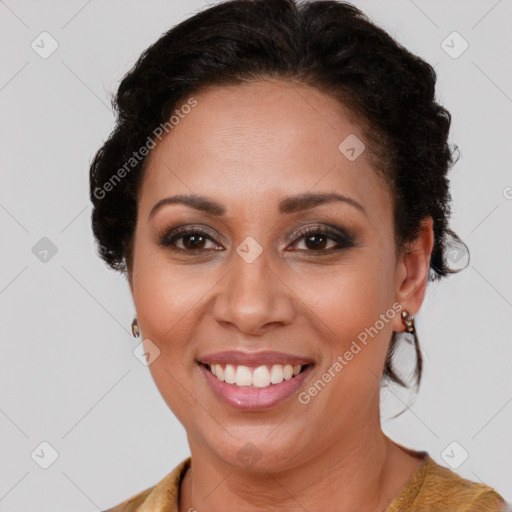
350	475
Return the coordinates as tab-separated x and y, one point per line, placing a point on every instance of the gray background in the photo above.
68	375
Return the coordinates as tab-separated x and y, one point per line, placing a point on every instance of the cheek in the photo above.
350	307
347	297
159	286
167	299
168	304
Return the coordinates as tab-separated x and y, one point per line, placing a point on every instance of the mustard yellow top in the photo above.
431	488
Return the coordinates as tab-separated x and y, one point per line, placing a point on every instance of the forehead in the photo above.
260	142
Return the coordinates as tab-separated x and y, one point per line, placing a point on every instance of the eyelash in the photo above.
344	240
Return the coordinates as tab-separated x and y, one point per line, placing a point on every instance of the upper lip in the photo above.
238	357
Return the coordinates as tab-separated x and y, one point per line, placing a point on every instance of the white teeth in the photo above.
243	376
219	372
276	374
229	374
260	377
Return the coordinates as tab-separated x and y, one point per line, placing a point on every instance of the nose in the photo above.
253	297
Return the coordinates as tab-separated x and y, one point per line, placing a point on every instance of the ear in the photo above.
412	272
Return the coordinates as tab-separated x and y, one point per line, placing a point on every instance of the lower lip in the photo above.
252	398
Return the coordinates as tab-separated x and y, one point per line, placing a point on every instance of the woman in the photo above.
276	193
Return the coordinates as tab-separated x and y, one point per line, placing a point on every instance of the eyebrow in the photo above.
287	205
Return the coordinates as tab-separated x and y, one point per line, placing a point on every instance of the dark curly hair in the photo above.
326	44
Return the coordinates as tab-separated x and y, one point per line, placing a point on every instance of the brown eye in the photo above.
317	239
191	239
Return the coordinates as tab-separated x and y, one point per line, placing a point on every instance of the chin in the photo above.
257	449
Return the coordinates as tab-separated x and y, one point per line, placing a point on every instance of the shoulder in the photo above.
168	487
451	485
133	503
435	488
443	489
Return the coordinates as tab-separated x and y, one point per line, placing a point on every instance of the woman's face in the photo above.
252	281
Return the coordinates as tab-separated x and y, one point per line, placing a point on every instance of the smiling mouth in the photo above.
256	377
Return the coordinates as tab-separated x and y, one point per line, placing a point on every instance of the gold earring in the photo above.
135	328
408	321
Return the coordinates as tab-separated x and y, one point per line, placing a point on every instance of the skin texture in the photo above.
247	147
